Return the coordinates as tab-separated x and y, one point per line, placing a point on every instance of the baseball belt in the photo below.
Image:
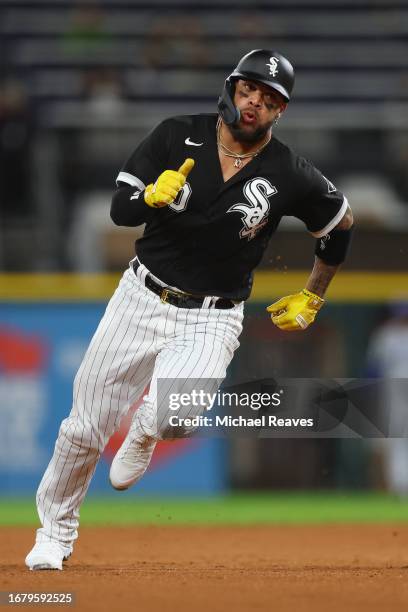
181	300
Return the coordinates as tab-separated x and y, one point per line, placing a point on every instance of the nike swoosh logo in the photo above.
193	144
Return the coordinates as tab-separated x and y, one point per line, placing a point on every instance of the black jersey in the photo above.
210	239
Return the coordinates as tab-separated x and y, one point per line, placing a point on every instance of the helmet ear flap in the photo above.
229	112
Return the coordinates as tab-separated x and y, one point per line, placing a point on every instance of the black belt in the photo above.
182	300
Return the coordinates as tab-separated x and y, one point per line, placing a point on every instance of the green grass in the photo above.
248	509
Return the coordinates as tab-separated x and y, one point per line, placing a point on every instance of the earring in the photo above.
276	120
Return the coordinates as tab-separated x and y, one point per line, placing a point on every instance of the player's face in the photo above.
259	106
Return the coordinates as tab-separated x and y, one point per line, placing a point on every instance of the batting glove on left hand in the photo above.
295	312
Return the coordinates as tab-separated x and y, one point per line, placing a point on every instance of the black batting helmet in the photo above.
267	67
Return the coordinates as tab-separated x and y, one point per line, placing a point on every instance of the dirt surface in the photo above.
222	569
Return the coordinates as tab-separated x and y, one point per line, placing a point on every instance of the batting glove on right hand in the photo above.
164	191
295	312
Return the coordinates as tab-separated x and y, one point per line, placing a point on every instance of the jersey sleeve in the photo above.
148	160
322	205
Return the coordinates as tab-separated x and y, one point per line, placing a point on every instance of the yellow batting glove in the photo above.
164	191
295	312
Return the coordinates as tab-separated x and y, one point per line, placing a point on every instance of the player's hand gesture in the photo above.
164	191
295	312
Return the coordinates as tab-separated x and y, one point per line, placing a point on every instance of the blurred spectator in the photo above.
397	157
388	358
88	155
15	150
374	201
253	24
103	93
176	40
86	33
95	244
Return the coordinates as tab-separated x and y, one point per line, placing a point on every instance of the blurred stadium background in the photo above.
80	84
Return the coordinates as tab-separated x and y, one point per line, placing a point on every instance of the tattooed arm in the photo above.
296	312
320	277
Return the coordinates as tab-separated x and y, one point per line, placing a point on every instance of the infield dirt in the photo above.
280	568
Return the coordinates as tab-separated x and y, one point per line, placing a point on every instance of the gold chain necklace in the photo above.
237	156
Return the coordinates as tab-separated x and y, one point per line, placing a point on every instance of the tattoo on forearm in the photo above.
320	277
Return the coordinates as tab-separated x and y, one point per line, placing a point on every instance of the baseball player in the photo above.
211	189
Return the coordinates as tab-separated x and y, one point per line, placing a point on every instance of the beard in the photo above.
250	136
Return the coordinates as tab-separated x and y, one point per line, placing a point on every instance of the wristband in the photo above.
333	248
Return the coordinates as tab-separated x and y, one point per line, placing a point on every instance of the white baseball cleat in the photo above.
47	556
131	461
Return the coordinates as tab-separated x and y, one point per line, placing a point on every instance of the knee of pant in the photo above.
79	433
81	388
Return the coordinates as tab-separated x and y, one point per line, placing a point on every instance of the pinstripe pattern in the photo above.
138	340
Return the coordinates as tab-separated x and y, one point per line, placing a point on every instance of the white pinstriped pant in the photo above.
138	340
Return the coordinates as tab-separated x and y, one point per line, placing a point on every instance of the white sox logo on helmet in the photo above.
273	65
255	213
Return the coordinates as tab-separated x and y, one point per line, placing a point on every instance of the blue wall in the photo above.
41	347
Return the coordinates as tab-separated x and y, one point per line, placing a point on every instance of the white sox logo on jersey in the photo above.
255	213
273	66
